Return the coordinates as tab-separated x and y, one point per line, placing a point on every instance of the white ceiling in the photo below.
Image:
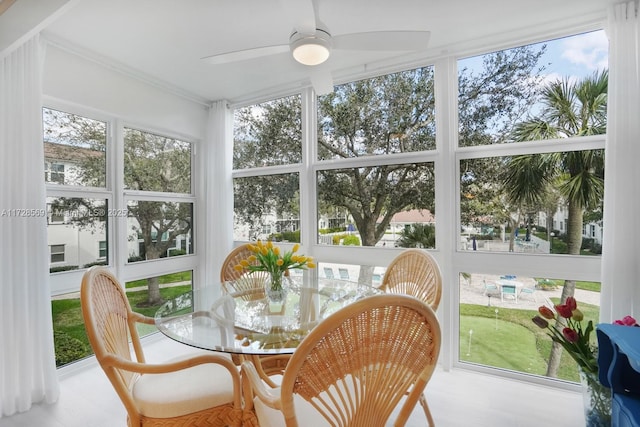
164	40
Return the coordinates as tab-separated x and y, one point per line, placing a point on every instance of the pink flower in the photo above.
626	321
570	335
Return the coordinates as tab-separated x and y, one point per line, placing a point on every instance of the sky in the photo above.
576	56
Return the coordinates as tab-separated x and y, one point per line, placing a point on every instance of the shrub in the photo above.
351	240
286	236
291	236
91	264
62	268
332	230
68	349
484	237
177	252
591	245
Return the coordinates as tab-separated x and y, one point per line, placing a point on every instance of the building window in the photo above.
57	253
54	173
81	224
102	249
55	215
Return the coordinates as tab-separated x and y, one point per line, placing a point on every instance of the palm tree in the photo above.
418	236
569	109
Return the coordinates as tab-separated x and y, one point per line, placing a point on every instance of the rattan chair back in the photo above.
233	280
414	272
107	313
357	365
111	328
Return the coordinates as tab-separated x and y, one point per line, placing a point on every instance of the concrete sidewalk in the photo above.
474	293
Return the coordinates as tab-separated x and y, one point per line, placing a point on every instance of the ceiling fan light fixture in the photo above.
311	49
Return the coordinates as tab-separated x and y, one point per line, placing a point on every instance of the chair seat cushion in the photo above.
183	392
305	413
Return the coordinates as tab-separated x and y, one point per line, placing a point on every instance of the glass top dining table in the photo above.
247	322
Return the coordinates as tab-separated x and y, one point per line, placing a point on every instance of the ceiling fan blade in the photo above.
383	41
321	80
245	54
301	14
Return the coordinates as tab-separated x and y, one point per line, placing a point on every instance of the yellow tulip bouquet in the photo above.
268	257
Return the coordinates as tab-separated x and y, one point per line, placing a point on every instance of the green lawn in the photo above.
183	276
513	341
492	343
70	337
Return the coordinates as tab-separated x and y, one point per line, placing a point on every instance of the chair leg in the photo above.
427	412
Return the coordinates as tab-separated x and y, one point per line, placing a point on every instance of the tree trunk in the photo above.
153	285
154	291
556	349
366	275
574	239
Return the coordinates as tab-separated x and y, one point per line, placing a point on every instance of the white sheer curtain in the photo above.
216	165
621	245
27	363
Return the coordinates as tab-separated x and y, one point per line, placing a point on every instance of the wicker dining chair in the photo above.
233	280
354	368
202	389
415	272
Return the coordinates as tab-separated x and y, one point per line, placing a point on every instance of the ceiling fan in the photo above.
311	44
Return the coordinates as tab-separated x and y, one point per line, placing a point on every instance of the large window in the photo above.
511	165
268	136
149	217
532	121
159	229
155	165
75	149
359	123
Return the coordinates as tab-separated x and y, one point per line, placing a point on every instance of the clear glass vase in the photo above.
597	400
275	289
